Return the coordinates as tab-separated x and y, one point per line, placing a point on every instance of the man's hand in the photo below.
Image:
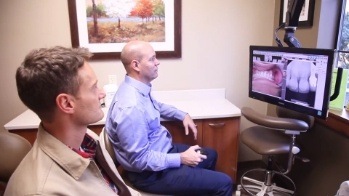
188	122
192	158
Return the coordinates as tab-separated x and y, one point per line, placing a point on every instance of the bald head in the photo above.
140	62
133	50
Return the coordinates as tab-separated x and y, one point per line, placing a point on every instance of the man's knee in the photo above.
226	185
212	153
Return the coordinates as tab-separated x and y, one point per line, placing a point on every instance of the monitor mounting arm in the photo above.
294	9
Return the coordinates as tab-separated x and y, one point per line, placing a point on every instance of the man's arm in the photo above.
171	112
189	123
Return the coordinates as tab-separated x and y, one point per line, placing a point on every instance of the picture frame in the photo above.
306	16
81	36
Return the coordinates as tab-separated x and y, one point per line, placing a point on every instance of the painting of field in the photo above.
119	21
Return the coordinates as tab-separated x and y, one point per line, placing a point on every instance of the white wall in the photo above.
215	39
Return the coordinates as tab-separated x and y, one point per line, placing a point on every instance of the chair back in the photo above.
286	113
13	150
109	147
281	123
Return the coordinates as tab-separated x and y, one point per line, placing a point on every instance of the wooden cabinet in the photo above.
177	131
30	134
220	134
96	128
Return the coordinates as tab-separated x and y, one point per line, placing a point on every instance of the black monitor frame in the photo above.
320	108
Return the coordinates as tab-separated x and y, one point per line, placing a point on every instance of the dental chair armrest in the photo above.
274	122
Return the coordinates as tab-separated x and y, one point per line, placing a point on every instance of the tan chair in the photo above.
13	149
110	149
270	137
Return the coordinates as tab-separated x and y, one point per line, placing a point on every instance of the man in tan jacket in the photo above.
59	85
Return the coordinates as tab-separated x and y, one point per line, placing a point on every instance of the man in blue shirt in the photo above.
144	147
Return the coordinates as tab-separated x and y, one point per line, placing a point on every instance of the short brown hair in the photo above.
47	72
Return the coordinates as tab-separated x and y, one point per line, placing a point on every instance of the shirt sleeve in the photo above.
170	112
143	146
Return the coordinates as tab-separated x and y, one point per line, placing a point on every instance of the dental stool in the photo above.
272	136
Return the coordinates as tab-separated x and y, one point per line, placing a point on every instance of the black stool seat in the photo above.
266	141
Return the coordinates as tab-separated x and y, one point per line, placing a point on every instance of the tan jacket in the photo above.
52	168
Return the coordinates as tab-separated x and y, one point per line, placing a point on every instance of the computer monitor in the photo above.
295	78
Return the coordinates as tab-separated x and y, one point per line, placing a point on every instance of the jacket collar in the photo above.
70	161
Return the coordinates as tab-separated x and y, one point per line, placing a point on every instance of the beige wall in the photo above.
215	39
26	25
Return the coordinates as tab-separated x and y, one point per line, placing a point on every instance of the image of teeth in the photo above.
264	74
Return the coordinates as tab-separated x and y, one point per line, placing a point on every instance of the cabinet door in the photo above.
177	131
96	128
222	135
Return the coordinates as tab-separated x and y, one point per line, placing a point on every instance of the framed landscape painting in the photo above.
105	26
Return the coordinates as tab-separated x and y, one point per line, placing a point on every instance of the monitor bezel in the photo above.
278	102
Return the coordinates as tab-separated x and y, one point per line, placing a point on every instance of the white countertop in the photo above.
200	104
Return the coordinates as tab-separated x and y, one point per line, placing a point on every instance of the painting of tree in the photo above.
105	26
118	21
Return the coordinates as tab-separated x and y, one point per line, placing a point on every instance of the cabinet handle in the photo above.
221	124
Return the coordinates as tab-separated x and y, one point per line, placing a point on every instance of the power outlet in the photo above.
112	79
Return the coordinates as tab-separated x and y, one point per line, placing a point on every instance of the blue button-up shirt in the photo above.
133	124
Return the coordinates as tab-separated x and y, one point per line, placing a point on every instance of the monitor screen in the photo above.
295	78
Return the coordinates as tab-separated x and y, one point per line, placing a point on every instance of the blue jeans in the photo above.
185	180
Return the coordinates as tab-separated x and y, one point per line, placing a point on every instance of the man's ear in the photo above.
135	65
65	103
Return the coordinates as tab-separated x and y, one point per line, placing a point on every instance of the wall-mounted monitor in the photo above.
295	78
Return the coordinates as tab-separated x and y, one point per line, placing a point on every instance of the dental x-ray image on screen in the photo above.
296	78
301	81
